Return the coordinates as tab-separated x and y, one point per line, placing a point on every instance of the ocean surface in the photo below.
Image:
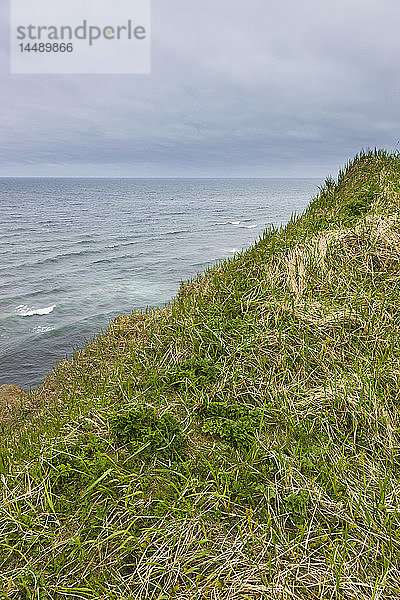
76	253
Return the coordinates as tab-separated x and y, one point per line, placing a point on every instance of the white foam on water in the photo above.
42	329
24	311
234	222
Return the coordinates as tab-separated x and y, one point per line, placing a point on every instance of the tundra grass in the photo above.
243	442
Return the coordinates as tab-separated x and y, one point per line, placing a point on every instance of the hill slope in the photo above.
242	442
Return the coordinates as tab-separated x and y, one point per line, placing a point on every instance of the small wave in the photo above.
42	329
175	232
227	223
113	259
248	226
24	311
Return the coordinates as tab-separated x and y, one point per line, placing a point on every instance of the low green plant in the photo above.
297	505
147	433
195	372
234	423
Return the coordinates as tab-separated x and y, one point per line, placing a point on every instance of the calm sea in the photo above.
75	253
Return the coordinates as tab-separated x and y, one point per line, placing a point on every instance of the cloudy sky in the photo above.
238	88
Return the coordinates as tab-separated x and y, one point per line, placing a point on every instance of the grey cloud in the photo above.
255	88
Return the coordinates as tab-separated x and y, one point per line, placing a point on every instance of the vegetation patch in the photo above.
195	372
234	423
148	434
361	203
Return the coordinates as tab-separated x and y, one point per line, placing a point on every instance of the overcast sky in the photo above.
238	88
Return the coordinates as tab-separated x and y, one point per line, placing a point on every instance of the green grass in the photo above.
242	442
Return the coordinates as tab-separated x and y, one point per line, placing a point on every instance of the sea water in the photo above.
75	253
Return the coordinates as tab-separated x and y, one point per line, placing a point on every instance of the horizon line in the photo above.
153	177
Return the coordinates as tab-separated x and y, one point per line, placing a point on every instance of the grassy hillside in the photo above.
243	442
